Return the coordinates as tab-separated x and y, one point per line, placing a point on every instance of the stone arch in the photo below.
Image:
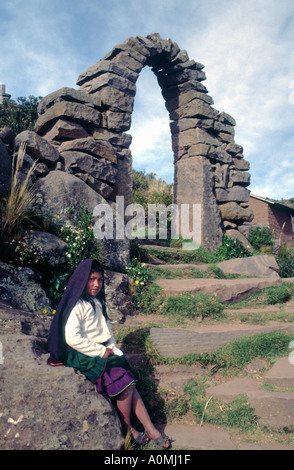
92	121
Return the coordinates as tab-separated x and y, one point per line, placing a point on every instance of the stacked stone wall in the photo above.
87	130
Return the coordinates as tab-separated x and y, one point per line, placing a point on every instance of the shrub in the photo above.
260	237
231	248
285	261
278	294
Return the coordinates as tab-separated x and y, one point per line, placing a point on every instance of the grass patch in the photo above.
237	414
201	255
268	296
192	306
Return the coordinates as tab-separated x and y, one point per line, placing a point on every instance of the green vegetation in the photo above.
16	208
192	306
20	115
261	237
231	249
285	261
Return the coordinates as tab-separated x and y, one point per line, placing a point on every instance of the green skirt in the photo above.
94	368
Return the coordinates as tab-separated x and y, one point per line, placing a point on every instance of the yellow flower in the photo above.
44	311
56	215
53	311
137	282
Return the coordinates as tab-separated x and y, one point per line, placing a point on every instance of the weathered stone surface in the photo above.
99	168
77	112
111	80
99	186
67	94
97	148
233	211
281	374
50	248
118	297
229	391
58	191
195	108
241	164
117	121
262	266
177	342
116	99
115	138
5	169
220	155
228	291
79	417
103	66
227	119
239	177
196	437
20	288
234	149
236	235
183	98
193	185
221	175
37	147
236	193
275	409
64	130
185	139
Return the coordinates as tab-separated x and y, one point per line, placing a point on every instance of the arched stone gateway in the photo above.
88	129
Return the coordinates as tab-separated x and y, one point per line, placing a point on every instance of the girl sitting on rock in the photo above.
81	337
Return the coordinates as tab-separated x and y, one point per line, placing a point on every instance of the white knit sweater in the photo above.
87	330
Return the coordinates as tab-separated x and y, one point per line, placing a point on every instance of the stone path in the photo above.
176	342
227	290
270	393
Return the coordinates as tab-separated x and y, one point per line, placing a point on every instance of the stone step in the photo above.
177	342
275	409
227	290
282	373
207	437
195	437
253	266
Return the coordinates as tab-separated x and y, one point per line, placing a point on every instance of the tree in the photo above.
20	115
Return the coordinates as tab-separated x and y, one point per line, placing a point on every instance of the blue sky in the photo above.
247	47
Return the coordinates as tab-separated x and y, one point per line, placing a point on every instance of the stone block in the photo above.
236	194
262	266
37	147
70	95
275	409
98	168
234	212
96	148
77	112
5	169
281	374
230	390
195	108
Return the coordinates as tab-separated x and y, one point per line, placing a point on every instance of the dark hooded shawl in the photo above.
57	346
60	353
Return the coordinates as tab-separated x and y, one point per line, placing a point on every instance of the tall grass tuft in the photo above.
21	197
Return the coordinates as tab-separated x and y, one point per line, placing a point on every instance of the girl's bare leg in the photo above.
143	415
124	406
129	400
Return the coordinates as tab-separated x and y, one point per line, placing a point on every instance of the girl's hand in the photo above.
108	352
